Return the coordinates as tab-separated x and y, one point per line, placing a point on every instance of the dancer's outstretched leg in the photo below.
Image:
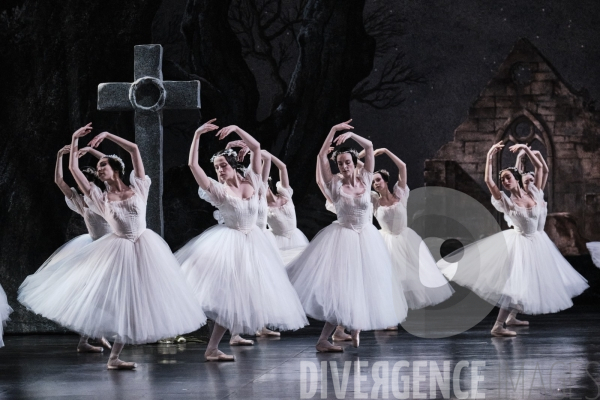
340	335
323	345
498	329
85	347
212	352
113	360
512	319
237	340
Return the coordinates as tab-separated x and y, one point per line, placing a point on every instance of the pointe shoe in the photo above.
237	340
219	356
341	336
118	364
105	343
88	348
499	331
267	332
326	347
355	338
391	328
516	322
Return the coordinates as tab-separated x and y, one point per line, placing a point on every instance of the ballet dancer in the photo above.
5	311
235	271
344	277
127	284
527	273
414	270
96	226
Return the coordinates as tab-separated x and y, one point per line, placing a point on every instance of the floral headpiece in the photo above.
117	159
511	169
227	152
90	170
338	152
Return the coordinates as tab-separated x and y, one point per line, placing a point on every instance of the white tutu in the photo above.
236	271
594	248
5	311
239	280
415	270
127	284
344	276
518	267
116	287
67	250
293	239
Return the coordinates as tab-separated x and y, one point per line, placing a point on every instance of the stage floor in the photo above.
556	357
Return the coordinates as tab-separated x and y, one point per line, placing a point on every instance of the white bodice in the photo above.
263	207
126	217
353	212
95	223
524	220
392	219
282	220
235	212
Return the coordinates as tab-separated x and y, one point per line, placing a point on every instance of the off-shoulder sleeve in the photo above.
329	206
374	200
332	188
140	185
284	192
401	193
367	178
76	202
95	200
255	180
538	195
503	205
215	193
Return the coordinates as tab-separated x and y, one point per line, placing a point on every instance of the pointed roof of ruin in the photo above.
525	52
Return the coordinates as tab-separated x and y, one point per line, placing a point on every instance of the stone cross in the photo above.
147	96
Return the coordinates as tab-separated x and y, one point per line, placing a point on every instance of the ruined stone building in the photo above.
527	101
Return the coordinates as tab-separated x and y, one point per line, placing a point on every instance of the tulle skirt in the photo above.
594	248
509	269
5	311
67	249
115	287
415	270
240	281
345	277
295	239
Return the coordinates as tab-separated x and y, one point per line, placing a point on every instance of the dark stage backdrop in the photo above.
406	71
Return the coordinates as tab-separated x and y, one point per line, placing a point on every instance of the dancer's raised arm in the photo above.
537	164
80	178
489	177
545	170
266	166
325	168
92	151
253	145
399	164
283	173
321	182
197	171
58	172
366	144
130	147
